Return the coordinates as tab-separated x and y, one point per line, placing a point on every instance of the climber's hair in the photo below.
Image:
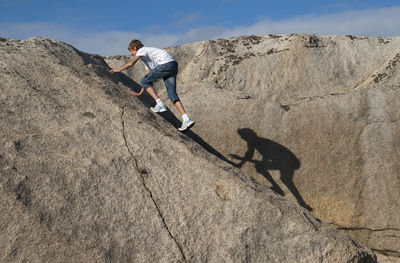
135	44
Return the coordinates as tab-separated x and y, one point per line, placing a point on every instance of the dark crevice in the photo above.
298	101
386	252
363	228
142	173
375	76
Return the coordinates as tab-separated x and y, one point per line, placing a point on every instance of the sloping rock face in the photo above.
315	118
89	174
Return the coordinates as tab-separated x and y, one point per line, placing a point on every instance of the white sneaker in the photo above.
159	108
186	124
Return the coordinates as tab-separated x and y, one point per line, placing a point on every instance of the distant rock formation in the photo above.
322	119
89	174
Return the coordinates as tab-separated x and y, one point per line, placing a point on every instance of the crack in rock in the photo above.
388	252
381	122
375	76
286	106
363	228
142	171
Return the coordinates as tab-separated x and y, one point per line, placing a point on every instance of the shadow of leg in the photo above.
275	187
287	179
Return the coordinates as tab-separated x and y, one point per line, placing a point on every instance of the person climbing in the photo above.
159	64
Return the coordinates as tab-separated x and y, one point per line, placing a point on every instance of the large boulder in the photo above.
315	118
89	174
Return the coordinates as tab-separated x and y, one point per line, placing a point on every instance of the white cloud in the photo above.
116	43
104	43
184	19
200	34
26	30
372	22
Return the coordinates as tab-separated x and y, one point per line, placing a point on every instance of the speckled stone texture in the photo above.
89	174
315	118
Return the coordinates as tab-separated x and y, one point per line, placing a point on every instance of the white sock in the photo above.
160	102
185	117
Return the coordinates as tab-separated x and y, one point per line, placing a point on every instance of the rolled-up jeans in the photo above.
167	72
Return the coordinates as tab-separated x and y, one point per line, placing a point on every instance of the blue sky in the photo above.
106	27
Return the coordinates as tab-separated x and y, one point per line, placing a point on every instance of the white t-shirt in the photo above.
152	57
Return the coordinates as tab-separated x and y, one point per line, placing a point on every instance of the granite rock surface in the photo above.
89	174
314	118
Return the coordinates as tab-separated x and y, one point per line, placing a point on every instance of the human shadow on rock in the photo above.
172	119
274	157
